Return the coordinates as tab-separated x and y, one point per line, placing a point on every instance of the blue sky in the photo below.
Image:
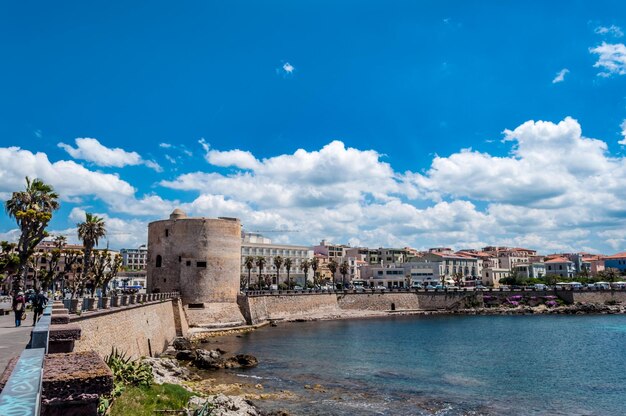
399	108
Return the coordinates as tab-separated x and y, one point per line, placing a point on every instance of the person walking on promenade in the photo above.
19	306
39	302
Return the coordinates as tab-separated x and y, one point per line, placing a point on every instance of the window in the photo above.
201	264
188	263
159	261
167	232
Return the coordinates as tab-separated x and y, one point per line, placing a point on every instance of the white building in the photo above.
256	245
134	258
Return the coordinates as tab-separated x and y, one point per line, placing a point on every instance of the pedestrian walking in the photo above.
39	303
19	307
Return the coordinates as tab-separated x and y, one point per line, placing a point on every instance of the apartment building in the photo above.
256	245
134	258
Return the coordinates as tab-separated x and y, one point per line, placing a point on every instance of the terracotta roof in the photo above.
558	260
617	256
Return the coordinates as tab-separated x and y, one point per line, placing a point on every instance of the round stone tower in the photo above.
198	257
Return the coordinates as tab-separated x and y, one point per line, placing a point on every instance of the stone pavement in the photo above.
12	339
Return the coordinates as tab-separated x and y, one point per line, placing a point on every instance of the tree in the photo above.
344	269
49	271
104	268
278	262
9	260
32	210
609	275
260	262
332	266
90	231
60	241
304	266
315	264
249	263
288	264
458	278
72	272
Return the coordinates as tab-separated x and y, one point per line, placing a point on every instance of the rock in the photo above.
181	343
167	370
208	360
241	361
186	355
221	405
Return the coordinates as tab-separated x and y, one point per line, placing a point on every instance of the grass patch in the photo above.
143	401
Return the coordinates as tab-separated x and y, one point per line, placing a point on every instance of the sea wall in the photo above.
599	297
449	300
262	307
137	330
378	301
273	306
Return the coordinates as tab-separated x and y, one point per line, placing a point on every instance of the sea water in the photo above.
443	365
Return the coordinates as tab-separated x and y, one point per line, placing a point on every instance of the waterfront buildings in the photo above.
255	245
616	261
560	266
134	258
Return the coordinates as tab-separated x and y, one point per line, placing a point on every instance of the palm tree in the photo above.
32	210
260	262
90	231
278	262
315	264
332	266
249	263
304	266
288	263
60	241
344	269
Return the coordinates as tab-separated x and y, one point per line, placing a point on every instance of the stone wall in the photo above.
378	301
600	297
449	300
261	308
137	330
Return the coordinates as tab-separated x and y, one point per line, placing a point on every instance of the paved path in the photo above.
12	339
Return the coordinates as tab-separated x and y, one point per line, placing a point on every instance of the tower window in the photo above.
167	232
159	260
201	264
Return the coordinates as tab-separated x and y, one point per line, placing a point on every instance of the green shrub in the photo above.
126	372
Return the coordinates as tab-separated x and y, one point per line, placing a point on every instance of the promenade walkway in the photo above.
13	340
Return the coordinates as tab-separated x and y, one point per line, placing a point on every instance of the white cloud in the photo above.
560	76
74	182
237	158
288	68
554	190
165	145
613	30
623	127
92	150
611	59
549	192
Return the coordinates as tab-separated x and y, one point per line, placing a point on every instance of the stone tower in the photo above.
201	259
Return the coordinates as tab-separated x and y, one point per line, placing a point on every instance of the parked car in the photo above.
416	285
480	287
430	287
297	287
505	288
380	287
540	286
